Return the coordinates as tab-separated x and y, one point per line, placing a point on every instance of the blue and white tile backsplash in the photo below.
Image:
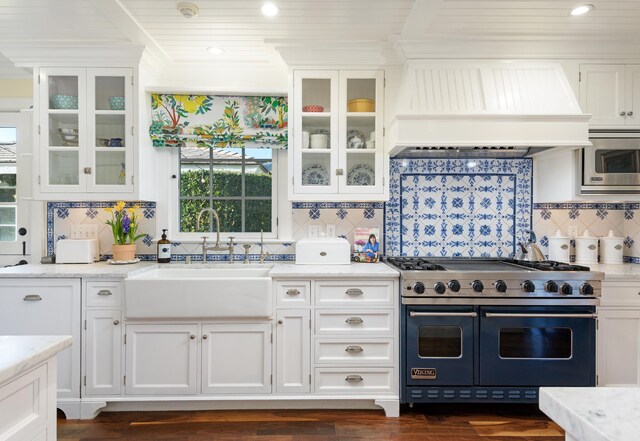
623	218
458	207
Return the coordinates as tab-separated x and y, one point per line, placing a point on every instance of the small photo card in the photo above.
366	247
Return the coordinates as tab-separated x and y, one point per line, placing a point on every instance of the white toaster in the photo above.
77	251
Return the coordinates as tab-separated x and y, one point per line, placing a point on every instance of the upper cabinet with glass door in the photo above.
86	132
337	152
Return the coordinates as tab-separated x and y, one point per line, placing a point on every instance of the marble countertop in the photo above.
19	353
280	270
594	413
622	271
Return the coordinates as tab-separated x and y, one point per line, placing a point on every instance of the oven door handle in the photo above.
522	315
443	314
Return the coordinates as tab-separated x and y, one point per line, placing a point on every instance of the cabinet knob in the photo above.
87	170
32	298
354	320
116	322
630	113
354	378
354	292
279	322
192	337
354	349
339	172
623	113
293	292
104	292
204	337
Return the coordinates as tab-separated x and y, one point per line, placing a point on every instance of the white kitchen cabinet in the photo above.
337	149
236	358
161	359
618	334
611	94
293	351
102	338
85	132
46	307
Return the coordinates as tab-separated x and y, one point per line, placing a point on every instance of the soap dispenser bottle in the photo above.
164	248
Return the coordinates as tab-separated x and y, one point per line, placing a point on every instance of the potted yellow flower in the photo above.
124	226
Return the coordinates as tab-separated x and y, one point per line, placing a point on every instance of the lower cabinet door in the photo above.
618	347
103	336
161	359
293	357
236	358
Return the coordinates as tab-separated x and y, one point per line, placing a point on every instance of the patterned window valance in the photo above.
219	121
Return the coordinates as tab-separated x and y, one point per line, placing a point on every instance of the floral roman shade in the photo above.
219	121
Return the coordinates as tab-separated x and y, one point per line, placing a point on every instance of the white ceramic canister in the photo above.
611	248
559	247
586	248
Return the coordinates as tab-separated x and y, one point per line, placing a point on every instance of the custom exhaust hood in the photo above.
489	109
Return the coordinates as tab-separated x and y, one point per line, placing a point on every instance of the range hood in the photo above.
491	109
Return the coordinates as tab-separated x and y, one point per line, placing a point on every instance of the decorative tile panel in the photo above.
457	207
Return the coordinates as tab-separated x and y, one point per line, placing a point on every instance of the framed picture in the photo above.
366	247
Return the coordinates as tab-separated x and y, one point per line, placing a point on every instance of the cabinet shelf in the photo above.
316	114
361	114
362	151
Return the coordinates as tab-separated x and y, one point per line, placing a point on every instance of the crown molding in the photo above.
29	54
335	53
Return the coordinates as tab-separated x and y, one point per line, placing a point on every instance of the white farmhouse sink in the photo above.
199	291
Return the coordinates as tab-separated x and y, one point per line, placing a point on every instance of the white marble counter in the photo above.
279	270
19	353
368	270
618	272
594	413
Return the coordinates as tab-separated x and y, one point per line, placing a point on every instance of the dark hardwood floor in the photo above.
422	423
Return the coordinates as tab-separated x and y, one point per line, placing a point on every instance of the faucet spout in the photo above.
217	246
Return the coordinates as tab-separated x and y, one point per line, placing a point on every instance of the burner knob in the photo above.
586	289
454	286
566	289
551	286
439	288
501	286
477	286
528	286
419	288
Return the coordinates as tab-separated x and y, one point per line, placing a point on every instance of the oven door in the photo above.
439	345
612	162
537	346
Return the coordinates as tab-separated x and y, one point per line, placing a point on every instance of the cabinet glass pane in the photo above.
361	169
63	92
316	133
110	131
361	132
110	168
110	93
361	95
316	95
7	233
64	168
63	130
316	169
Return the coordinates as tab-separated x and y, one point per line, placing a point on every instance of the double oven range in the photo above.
494	330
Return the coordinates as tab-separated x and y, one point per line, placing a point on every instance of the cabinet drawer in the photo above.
363	322
354	351
358	292
293	294
103	294
354	381
23	405
620	293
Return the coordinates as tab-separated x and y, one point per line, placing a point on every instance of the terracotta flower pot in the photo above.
123	252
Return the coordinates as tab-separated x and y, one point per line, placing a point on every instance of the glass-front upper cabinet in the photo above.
337	151
86	130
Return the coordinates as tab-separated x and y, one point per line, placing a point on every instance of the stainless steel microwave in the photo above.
611	165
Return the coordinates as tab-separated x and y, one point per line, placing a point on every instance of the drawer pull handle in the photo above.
104	292
618	247
354	349
354	292
354	320
32	298
323	253
354	378
116	322
293	292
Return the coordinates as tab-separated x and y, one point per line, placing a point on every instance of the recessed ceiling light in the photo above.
582	9
188	10
270	10
215	50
